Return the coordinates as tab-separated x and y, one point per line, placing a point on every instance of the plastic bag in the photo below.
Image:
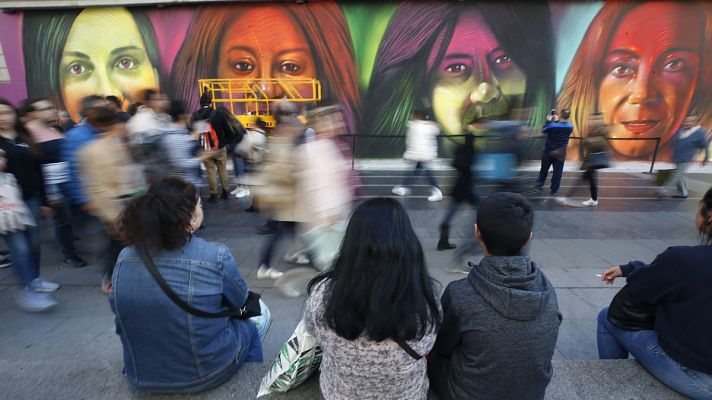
323	243
298	359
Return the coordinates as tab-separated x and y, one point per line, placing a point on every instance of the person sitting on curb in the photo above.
675	288
500	324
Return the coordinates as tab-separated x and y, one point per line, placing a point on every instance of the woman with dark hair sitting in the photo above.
167	349
676	290
375	314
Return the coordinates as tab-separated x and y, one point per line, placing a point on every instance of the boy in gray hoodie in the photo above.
500	324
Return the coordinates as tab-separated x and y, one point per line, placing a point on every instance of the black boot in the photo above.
444	243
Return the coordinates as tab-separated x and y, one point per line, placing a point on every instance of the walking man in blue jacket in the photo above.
557	130
690	139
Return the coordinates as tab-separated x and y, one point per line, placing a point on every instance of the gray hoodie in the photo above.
499	332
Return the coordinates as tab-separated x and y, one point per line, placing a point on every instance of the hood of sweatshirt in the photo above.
513	286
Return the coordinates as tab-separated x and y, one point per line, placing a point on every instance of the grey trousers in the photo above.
678	179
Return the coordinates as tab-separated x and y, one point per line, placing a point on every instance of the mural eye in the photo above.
126	63
456	68
622	70
674	65
290	68
77	69
243	66
503	60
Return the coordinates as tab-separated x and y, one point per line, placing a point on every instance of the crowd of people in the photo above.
373	303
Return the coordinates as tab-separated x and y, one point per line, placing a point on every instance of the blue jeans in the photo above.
546	162
616	343
420	165
33	232
18	245
262	321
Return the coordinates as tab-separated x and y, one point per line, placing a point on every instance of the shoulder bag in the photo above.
250	309
626	314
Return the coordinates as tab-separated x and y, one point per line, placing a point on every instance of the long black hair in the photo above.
379	285
44	35
706	211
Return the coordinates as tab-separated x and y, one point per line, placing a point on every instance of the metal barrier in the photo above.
480	137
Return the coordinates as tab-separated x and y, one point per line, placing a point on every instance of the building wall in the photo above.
645	67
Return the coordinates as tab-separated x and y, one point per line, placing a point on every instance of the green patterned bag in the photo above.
299	358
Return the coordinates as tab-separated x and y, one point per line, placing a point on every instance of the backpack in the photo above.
203	123
234	131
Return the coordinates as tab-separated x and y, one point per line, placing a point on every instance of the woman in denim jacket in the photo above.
165	348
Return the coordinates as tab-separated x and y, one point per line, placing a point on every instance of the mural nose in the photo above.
484	93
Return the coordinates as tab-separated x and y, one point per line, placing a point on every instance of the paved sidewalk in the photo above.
571	245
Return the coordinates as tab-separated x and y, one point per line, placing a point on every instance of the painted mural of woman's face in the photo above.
264	43
650	73
475	77
104	55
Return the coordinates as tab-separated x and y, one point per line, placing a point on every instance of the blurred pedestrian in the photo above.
22	171
275	194
690	139
115	103
595	156
110	178
39	115
463	191
421	147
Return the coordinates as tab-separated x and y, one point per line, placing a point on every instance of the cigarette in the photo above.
599	276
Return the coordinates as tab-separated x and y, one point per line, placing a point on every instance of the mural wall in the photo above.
644	66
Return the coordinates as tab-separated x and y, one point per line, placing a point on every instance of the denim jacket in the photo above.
167	349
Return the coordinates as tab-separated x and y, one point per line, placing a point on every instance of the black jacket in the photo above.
26	167
679	283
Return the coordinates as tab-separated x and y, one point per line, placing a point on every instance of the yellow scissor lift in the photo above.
250	99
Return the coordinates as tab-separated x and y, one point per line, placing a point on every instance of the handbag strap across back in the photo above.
414	354
148	262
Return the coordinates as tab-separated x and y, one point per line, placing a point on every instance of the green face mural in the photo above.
454	61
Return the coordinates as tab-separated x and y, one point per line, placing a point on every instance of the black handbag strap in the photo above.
148	262
409	349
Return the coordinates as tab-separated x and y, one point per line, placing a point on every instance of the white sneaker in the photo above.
32	301
268	273
240	192
401	191
590	202
436	195
561	200
43	286
298	258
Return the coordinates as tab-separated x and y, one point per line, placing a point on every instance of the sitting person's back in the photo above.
375	314
500	324
167	349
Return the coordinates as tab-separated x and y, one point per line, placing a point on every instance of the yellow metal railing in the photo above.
254	97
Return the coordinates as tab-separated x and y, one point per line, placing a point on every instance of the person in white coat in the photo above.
421	147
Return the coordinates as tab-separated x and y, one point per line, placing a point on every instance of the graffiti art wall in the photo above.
644	66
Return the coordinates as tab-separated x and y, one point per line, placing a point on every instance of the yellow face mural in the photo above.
104	54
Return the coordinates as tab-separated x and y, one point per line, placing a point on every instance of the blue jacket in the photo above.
557	134
167	349
74	139
685	148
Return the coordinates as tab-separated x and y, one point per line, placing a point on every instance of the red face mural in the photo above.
651	70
